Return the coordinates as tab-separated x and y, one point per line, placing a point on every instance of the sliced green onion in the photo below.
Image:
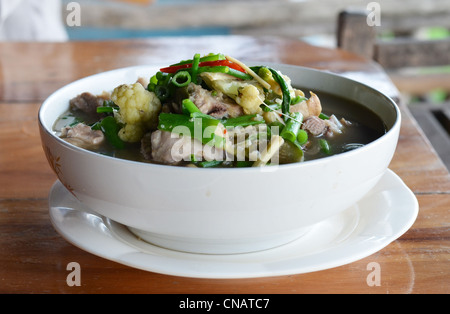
181	79
323	116
209	57
162	92
188	106
290	131
105	109
108	107
195	63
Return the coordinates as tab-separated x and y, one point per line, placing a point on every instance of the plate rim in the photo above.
133	257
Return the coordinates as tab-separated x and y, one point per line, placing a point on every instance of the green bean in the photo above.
302	137
325	146
181	79
286	102
290	131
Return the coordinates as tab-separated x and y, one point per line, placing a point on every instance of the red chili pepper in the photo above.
175	68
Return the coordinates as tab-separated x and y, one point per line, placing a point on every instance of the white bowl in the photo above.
220	211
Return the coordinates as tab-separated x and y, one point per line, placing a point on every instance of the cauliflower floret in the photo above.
248	94
250	99
138	111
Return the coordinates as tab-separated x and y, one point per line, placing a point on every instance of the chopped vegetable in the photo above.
110	128
189	106
290	131
231	65
251	114
138	111
324	146
209	57
286	101
302	137
181	79
249	71
272	148
196	126
243	121
297	99
195	65
323	116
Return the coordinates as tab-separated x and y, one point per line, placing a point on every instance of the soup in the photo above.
214	111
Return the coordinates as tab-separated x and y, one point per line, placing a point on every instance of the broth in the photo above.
366	126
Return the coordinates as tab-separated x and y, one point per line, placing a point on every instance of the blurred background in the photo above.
409	38
414	25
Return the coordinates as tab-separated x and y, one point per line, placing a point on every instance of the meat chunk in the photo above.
217	105
330	127
314	125
334	126
308	108
171	148
87	103
83	136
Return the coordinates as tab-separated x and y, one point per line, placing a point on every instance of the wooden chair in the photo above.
354	34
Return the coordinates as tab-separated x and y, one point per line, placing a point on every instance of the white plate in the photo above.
387	212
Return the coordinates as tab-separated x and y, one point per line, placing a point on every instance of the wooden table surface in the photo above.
34	256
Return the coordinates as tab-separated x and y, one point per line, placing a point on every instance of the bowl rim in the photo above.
395	126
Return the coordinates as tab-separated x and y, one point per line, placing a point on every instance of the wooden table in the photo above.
34	256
